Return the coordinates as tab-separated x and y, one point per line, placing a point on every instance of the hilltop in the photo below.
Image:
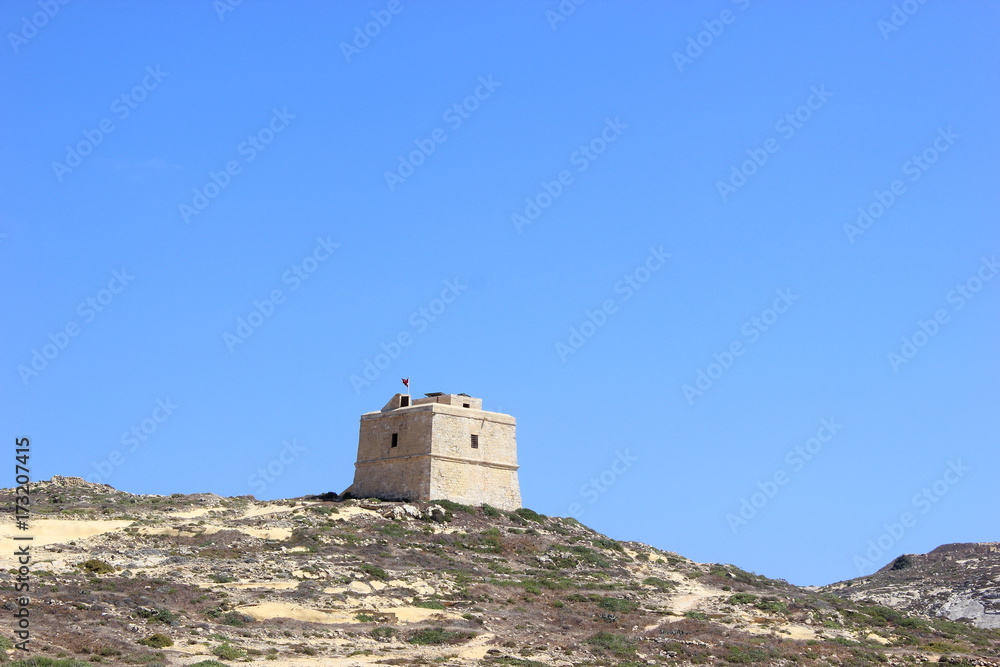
184	579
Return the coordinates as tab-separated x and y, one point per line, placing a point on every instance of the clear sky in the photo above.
732	265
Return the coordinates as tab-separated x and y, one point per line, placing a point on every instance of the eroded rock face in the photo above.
963	606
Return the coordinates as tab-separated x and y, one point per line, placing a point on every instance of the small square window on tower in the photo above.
475	441
395	439
465	405
404	401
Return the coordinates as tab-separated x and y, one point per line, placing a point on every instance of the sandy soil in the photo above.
271	585
56	531
269	610
692	595
791	631
348	512
797	631
269	509
477	648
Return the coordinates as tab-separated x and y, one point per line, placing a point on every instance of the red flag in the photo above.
406	381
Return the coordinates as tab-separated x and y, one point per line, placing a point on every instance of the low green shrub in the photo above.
236	619
374	571
452	506
227	651
660	584
394	530
159	615
880	615
438	636
95	566
529	515
615	643
749	654
608	543
618	605
157	640
429	604
943	647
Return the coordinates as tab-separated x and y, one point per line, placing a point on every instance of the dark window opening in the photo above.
475	442
395	439
404	401
465	405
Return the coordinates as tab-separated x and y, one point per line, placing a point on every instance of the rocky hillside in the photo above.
199	579
955	581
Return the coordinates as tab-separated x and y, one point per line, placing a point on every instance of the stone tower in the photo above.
442	447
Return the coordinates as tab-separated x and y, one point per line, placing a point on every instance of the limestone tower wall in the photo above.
444	446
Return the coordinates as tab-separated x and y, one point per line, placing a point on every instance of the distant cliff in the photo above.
954	581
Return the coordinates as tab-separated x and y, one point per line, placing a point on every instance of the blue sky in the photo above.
730	264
